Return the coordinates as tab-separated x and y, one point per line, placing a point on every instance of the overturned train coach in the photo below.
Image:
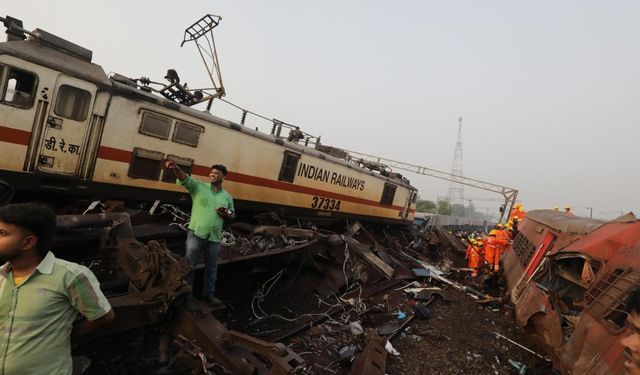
67	127
569	279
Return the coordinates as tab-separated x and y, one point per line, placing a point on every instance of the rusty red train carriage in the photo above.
569	279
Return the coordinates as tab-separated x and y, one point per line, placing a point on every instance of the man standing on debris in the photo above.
631	343
41	296
211	205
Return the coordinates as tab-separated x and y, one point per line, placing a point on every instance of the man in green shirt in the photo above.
41	296
211	205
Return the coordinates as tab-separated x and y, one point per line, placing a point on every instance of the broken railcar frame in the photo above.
569	278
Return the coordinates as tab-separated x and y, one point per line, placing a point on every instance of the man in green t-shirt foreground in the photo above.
211	205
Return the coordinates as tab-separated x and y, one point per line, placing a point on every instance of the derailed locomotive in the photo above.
65	126
569	280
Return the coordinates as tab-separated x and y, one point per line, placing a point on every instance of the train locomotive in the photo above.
67	127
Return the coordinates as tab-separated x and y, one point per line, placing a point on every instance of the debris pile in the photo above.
365	300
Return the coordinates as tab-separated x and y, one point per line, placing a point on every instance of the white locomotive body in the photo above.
65	126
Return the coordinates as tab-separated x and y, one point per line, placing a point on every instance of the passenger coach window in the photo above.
388	194
608	298
523	248
19	88
72	103
155	125
289	166
146	164
187	134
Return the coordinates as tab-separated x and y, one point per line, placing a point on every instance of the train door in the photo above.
411	199
67	126
532	265
537	256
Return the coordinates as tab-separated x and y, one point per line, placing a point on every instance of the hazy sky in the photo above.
549	91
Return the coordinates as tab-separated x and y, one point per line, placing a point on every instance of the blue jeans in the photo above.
195	246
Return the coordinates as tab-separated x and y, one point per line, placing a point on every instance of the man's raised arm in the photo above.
170	164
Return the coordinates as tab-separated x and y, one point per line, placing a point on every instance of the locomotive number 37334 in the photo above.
325	203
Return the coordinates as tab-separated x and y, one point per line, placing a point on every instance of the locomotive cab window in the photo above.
289	166
388	194
72	103
187	134
19	88
414	197
146	164
155	125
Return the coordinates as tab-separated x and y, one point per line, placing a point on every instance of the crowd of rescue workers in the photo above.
485	251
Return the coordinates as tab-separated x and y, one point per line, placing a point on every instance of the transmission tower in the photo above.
455	195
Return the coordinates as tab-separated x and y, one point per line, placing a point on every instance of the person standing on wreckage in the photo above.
211	206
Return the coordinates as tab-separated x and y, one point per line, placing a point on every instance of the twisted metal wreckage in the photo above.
147	286
156	281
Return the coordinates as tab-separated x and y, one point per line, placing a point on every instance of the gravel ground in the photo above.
459	338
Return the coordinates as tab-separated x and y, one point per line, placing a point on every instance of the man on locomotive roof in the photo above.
41	295
211	205
631	343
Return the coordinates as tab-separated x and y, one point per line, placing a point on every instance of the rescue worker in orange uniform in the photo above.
517	213
469	247
520	214
474	257
505	236
514	211
491	252
508	228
